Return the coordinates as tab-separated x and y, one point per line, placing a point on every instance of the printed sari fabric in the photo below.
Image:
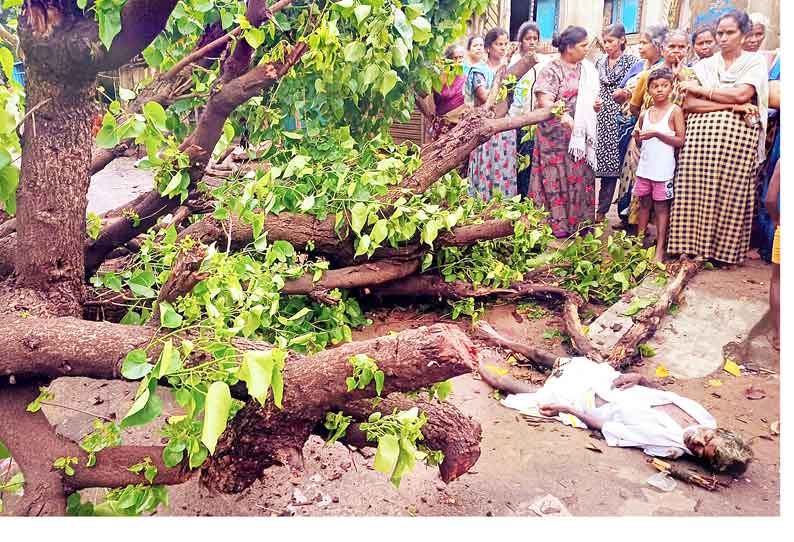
563	186
492	165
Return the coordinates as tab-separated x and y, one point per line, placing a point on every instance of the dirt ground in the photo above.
521	461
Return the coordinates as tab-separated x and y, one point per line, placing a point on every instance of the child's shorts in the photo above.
659	190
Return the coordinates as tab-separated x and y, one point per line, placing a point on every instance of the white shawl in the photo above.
748	69
585	121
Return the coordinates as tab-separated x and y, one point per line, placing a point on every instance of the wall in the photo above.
685	13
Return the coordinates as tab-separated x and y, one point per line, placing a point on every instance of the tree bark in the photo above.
646	322
447	429
433	286
51	198
34	445
301	229
259	437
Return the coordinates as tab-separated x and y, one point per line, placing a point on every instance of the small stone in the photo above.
489	514
335	499
617	327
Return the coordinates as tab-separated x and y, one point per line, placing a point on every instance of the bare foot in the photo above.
753	255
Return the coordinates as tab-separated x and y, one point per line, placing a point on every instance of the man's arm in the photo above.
592	422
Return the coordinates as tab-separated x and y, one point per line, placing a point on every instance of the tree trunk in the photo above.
51	197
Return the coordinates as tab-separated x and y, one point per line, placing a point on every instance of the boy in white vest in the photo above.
659	132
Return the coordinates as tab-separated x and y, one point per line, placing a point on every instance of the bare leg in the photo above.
644	215
774	304
662	209
484	330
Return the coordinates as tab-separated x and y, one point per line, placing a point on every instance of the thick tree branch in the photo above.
119	229
259	437
141	22
447	429
433	286
366	274
34	445
646	322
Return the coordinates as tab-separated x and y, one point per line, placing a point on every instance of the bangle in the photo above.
710	93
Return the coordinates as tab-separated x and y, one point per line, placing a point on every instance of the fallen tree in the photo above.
243	303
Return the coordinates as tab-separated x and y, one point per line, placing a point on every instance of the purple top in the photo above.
450	97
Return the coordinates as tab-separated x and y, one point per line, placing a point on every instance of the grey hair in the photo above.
732	452
759	18
675	33
657	34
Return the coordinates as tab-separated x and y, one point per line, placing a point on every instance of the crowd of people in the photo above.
684	137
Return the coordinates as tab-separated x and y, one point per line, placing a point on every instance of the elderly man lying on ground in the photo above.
626	408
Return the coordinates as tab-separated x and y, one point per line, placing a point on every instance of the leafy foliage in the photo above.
365	369
397	435
104	435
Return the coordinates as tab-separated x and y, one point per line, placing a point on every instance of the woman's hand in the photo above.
598	104
648	134
627	380
552	410
745	109
692	87
567	121
620	95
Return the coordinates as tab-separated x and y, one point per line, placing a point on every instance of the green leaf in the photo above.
307	203
362	246
255	37
216	414
170	361
390	79
107	138
422	30
345	3
362	12
371	74
296	165
7	62
109	24
136	365
622	279
399	52
358	217
168	316
278	378
155	114
379	231
430	232
112	281
646	350
172	455
379	377
387	454
354	51
403	27
145	408
257	372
